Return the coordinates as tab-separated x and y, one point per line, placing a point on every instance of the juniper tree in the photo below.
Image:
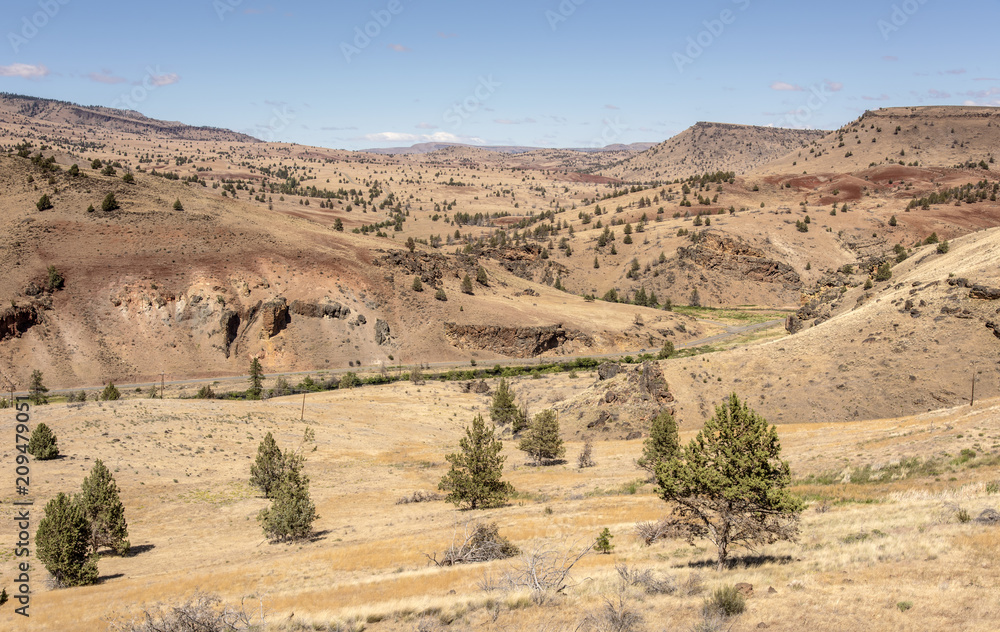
256	380
62	543
504	410
37	391
541	440
417	285
662	443
102	506
271	465
42	444
467	285
475	477
110	203
177	205
110	393
292	513
481	277
729	484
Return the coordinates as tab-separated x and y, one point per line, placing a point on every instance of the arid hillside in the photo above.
709	147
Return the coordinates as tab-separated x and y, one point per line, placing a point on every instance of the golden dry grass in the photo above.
183	466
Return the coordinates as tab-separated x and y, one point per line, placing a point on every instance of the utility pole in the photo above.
972	400
161	384
303	415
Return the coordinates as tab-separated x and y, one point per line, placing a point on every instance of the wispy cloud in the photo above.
503	121
436	137
881	97
834	86
786	87
423	125
167	79
611	107
444	35
956	71
986	79
399	48
890	58
25	71
939	94
105	76
338	129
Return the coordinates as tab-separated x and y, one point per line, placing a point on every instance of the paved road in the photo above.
731	332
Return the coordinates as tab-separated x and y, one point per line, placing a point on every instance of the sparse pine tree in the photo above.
603	542
666	351
586	456
43	203
476	475
110	203
503	408
481	277
662	443
440	295
467	285
292	513
62	543
110	393
177	205
102	506
338	225
56	280
37	391
729	483
42	444
417	285
256	380
270	467
542	441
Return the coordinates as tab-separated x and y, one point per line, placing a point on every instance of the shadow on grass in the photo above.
745	561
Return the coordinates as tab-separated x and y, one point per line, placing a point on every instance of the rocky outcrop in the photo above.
319	310
230	324
728	255
274	317
517	342
430	267
608	370
16	320
382	333
984	293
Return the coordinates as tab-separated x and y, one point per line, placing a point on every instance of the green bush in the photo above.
726	601
42	444
110	393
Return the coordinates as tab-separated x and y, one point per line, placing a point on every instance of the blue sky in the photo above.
569	73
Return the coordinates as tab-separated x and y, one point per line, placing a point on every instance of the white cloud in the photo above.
25	71
782	86
436	137
834	86
105	76
165	80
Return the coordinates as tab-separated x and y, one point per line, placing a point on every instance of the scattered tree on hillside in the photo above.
884	272
662	443
110	393
271	466
481	277
603	542
467	285
62	543
417	285
666	351
37	391
110	203
338	225
177	205
475	477
729	484
256	380
504	410
44	203
541	439
102	506
440	295
42	444
55	280
586	456
292	513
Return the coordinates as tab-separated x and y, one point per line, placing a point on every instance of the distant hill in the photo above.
709	147
426	148
933	136
15	108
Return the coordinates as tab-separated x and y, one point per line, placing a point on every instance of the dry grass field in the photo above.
183	466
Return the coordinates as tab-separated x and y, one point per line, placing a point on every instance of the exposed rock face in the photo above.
274	317
382	333
317	310
731	256
230	324
985	293
430	267
517	342
608	370
14	321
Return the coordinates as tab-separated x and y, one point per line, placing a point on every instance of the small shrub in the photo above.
586	458
726	601
440	295
603	543
904	605
110	393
